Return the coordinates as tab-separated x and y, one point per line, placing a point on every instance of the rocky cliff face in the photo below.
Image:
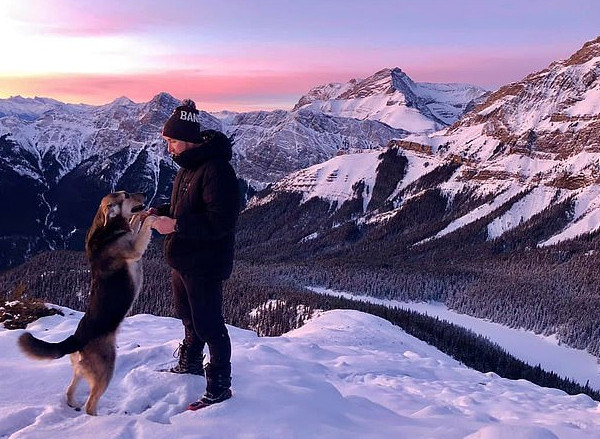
551	114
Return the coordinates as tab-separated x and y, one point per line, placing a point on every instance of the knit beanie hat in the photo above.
184	123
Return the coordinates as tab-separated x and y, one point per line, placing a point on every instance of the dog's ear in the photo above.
97	223
112	210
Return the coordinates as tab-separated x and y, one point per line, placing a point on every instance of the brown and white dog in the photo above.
114	245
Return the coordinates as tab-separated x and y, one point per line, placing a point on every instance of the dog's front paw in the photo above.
135	222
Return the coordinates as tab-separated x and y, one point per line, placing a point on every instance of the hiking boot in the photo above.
218	380
218	386
191	359
210	399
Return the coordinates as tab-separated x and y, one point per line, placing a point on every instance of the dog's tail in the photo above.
36	348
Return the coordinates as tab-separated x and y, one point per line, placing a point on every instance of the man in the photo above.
199	225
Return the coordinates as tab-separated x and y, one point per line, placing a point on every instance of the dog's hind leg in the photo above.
99	365
98	387
75	358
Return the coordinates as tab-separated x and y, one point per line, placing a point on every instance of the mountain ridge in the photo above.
60	158
428	106
541	132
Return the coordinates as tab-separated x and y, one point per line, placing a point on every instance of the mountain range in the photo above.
527	148
381	157
58	159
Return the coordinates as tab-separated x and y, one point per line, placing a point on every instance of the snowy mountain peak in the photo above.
392	97
324	93
122	101
29	109
379	83
402	83
385	81
164	99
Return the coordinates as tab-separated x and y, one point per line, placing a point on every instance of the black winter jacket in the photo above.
205	202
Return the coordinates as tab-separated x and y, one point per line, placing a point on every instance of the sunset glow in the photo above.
264	54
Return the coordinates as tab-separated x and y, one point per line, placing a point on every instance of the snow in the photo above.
586	218
524	166
496	105
377	107
418	165
334	179
588	106
33	108
344	374
467	142
575	364
479	212
383	97
455	94
523	210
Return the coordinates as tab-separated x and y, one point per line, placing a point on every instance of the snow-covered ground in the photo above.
575	364
345	374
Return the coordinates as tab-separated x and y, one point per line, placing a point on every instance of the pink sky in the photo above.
246	55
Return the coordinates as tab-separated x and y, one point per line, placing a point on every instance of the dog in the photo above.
114	245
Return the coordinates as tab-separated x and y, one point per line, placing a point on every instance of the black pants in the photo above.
199	305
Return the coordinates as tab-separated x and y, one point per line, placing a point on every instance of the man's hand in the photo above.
164	225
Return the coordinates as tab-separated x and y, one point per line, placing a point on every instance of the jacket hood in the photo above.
213	145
